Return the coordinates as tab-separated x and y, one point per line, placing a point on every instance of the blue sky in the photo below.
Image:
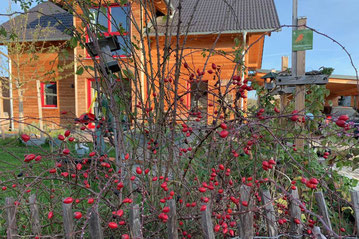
336	18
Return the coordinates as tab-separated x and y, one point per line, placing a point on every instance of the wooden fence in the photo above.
246	230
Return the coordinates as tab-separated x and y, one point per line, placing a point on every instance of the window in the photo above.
114	21
345	101
49	94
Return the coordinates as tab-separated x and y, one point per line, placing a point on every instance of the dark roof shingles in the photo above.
46	21
213	16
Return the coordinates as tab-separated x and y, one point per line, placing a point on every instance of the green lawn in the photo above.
14	171
12	153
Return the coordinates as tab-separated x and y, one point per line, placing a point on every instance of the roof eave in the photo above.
225	32
161	5
37	40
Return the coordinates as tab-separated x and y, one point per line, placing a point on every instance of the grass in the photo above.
12	171
12	153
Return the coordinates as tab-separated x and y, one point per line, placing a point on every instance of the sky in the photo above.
338	19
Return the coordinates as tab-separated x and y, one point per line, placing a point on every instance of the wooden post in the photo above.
135	223
284	63
35	218
355	201
270	214
39	107
246	220
206	222
284	96
2	115
11	230
172	220
95	229
68	221
300	89
323	210
295	213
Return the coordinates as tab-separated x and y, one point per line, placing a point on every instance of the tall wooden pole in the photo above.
2	115
294	23
298	68
300	89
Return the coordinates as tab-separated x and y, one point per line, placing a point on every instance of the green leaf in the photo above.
135	46
236	41
128	74
13	36
123	2
73	42
103	10
90	67
80	71
102	28
3	31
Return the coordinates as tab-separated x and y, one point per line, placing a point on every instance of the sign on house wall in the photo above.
302	40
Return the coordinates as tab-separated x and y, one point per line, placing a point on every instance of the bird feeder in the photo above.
106	46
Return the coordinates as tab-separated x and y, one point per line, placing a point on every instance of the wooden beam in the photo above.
302	80
343	81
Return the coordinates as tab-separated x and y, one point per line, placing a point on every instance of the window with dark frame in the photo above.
114	20
49	94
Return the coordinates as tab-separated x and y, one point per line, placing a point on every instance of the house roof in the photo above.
48	22
225	16
271	75
44	22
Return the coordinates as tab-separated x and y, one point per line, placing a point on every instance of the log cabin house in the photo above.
46	95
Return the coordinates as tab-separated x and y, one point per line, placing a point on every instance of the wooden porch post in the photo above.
2	128
39	107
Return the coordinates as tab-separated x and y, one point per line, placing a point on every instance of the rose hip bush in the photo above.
160	149
197	164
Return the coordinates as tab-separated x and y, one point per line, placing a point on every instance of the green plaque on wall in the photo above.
302	40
